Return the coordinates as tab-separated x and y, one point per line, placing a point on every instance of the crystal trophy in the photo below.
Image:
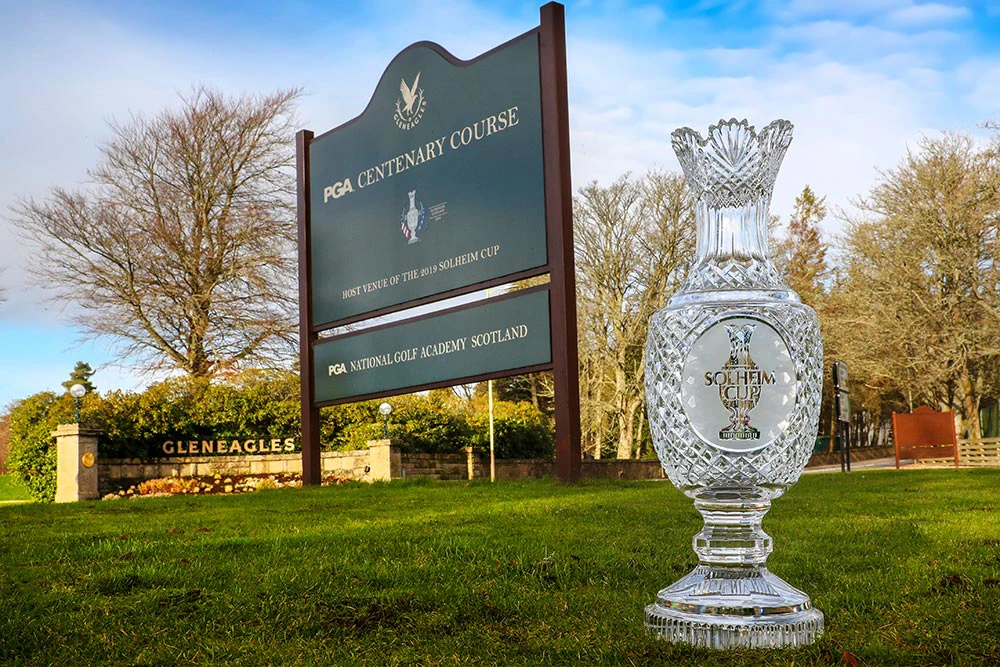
733	388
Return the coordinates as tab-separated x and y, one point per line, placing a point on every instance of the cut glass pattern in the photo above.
731	599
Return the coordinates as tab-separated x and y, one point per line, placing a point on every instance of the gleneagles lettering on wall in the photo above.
228	446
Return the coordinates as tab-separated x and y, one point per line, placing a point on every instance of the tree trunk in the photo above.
626	427
970	405
638	433
599	422
625	434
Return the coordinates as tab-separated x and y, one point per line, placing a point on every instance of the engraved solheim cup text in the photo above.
736	380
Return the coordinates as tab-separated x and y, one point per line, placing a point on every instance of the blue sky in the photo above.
862	80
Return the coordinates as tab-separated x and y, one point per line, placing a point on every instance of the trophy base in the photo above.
737	607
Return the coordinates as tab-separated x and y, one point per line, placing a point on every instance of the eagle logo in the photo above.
410	104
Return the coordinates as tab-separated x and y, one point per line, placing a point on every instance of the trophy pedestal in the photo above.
731	599
726	608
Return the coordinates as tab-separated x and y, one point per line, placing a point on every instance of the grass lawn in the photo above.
11	490
905	564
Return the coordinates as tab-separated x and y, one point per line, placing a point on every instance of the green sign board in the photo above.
500	335
437	186
455	178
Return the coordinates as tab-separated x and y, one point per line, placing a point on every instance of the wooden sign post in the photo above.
455	178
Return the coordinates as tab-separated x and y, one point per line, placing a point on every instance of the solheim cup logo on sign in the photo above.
410	104
413	219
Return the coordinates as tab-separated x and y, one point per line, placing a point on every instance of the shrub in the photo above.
169	485
425	424
253	404
419	424
4	442
266	483
520	431
350	426
32	456
262	404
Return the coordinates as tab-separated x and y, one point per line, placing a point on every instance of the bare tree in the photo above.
918	306
634	242
182	249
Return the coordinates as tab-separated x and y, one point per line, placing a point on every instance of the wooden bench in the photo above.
925	436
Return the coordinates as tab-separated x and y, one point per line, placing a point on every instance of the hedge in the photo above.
32	457
261	405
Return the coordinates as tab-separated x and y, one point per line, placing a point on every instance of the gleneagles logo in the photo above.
410	104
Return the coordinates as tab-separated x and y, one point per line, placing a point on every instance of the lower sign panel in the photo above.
494	337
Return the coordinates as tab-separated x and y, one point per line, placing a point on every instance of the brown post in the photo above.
895	440
311	470
559	225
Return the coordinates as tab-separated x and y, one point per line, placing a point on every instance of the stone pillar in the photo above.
384	461
470	460
76	463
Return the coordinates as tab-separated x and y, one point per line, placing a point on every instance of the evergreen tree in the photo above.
802	254
80	375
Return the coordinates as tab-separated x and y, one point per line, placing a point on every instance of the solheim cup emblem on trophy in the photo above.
739	388
733	388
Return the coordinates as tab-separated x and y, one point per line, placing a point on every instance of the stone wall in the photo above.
438	466
625	469
367	465
512	469
118	473
363	465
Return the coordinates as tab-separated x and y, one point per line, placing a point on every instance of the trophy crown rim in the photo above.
774	125
733	164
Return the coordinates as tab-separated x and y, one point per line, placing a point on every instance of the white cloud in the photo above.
927	14
980	92
734	59
649	15
71	71
800	9
856	94
900	14
842	40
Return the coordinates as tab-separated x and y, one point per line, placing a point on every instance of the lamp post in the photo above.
493	462
386	410
77	391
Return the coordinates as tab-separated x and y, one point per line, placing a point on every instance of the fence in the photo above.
982	453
